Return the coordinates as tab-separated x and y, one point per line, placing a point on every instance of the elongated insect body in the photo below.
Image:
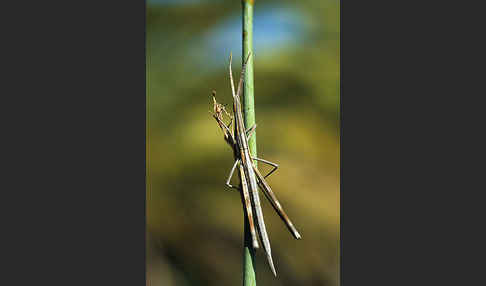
250	176
247	163
234	144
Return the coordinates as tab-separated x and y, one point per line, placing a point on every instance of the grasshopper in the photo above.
250	176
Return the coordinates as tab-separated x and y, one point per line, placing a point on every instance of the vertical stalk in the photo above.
249	278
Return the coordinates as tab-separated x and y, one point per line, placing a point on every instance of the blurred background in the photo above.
194	223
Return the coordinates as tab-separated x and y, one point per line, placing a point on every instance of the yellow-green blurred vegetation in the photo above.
194	223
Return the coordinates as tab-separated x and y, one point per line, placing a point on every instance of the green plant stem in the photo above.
249	278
